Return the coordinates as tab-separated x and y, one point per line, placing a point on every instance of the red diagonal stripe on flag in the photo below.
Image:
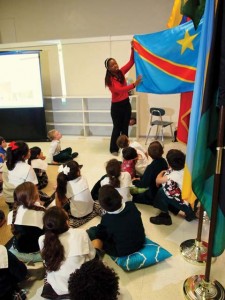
182	72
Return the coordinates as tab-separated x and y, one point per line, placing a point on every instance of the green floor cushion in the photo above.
150	254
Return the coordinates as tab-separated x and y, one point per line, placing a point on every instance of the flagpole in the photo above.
200	286
216	189
195	250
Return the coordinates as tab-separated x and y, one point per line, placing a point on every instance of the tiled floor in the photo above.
163	280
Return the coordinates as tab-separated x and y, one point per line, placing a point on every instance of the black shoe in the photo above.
74	155
161	219
190	217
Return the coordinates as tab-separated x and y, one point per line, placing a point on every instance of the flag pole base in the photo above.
196	288
194	251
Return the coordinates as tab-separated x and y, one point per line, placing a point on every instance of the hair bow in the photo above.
13	145
65	170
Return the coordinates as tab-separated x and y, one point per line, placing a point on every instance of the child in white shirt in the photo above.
56	155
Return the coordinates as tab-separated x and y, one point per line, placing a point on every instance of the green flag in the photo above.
205	151
193	9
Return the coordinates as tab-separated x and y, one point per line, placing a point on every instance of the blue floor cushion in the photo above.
150	254
26	257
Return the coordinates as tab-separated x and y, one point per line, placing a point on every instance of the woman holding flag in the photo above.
120	107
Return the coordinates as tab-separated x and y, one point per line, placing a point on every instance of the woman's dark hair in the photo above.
176	159
62	179
129	153
34	152
109	198
55	223
113	170
25	195
108	76
94	281
155	150
16	154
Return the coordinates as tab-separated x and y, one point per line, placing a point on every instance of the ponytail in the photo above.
113	170
55	223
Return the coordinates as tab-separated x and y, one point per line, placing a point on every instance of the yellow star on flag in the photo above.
186	42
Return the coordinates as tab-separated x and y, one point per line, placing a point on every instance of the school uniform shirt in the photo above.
141	163
40	167
137	146
29	226
22	172
125	184
81	202
39	164
54	149
122	231
78	249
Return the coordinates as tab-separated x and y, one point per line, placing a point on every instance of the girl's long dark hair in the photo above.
108	76
62	179
16	155
113	170
55	223
34	152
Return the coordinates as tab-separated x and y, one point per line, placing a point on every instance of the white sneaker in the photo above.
114	153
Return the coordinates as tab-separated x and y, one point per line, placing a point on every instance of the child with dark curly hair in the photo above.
171	181
96	281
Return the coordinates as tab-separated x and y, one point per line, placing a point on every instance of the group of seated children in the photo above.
51	234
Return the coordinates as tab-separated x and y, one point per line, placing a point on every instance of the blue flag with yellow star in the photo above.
167	60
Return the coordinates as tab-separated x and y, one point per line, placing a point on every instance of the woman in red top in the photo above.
120	108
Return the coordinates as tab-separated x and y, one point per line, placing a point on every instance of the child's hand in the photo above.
138	178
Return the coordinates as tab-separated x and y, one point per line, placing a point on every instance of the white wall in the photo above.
36	20
111	24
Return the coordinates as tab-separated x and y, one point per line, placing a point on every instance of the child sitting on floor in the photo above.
15	170
63	250
96	281
148	180
56	155
170	192
38	163
142	162
121	231
130	158
119	179
73	194
26	222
